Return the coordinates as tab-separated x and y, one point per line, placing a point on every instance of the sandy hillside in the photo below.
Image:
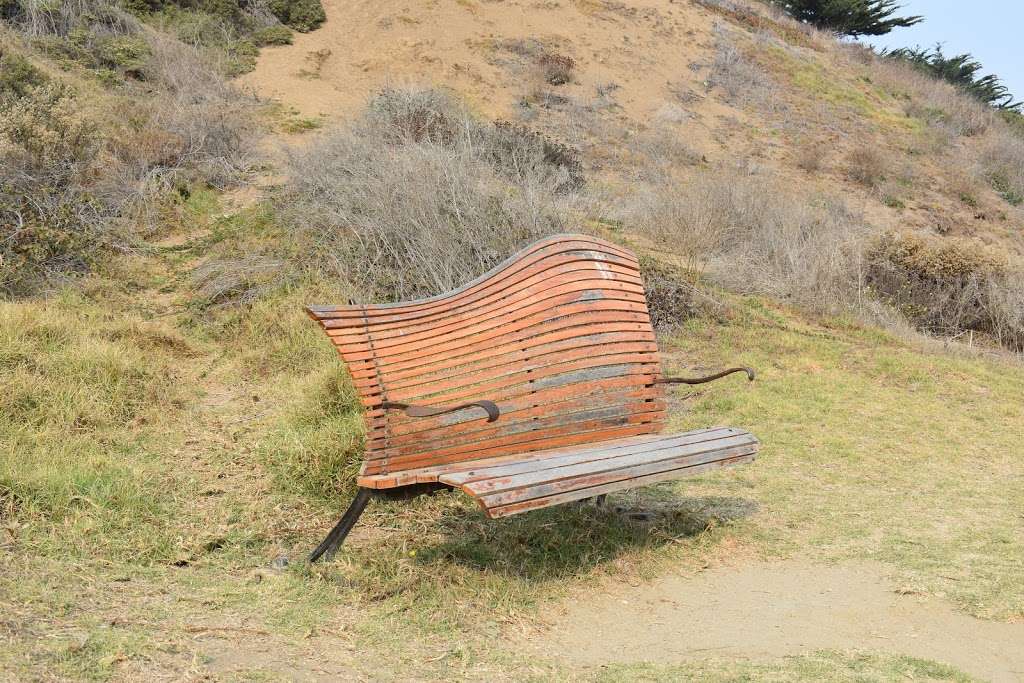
717	82
483	50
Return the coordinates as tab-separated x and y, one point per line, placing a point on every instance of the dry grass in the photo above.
811	156
743	82
867	166
940	104
419	197
1002	163
753	234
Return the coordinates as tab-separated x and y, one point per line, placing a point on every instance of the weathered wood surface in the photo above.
559	337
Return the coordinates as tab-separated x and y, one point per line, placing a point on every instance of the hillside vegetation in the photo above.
171	422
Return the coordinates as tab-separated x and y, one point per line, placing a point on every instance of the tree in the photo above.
849	17
960	70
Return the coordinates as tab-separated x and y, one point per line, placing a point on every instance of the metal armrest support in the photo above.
702	380
425	411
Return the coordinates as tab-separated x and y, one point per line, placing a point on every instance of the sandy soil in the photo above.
764	611
488	53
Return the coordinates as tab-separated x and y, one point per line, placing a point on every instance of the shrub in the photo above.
516	150
272	35
17	75
674	295
755	235
50	221
810	156
743	82
301	15
70	187
557	69
867	166
946	286
419	197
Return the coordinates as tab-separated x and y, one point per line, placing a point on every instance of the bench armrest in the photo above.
426	411
702	380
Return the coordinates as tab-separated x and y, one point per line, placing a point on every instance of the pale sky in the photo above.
988	29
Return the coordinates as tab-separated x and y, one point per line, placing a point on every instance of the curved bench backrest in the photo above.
558	336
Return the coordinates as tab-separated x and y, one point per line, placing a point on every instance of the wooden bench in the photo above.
536	384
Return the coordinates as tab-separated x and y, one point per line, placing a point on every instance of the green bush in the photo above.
241	57
301	15
50	223
272	35
17	75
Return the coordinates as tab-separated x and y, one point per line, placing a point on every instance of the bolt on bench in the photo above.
538	383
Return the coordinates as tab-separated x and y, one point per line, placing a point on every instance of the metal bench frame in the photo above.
536	384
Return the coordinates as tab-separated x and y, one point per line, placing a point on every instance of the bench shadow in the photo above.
555	542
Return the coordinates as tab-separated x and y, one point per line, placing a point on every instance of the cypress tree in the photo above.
849	17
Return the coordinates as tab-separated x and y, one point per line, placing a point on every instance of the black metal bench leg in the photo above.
348	520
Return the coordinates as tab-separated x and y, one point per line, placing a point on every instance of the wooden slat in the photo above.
504	364
506	489
533	420
513	340
619	485
547	460
570	277
513	441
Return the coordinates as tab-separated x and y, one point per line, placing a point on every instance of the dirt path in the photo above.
765	611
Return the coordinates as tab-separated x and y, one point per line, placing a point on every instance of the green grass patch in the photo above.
84	392
860	95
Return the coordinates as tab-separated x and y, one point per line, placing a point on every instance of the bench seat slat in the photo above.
549	460
506	485
504	490
619	485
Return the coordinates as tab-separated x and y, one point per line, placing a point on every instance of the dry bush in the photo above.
946	286
418	197
210	120
743	82
867	166
810	156
754	235
51	221
557	69
674	295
